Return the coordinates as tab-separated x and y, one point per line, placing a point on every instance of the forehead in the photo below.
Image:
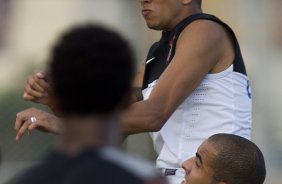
208	152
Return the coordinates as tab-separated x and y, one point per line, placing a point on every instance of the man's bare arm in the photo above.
138	83
199	49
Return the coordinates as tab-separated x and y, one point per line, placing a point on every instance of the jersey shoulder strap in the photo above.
238	63
152	50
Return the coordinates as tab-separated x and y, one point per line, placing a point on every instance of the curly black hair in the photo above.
91	70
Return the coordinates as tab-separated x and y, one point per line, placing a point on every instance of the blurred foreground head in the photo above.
91	71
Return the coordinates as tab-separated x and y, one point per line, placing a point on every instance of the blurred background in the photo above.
28	29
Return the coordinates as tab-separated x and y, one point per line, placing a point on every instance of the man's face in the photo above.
198	169
162	14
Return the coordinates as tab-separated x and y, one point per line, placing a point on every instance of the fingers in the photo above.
23	123
31	127
43	121
36	86
28	97
41	78
34	83
23	129
31	93
41	74
18	122
21	126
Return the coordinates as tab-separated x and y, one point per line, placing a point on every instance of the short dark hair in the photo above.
91	70
238	161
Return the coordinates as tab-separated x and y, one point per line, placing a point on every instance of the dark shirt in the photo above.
102	166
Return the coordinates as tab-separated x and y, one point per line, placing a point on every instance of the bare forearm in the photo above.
141	117
137	94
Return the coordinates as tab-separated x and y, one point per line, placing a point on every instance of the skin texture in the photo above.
158	13
46	122
37	88
198	169
225	159
192	61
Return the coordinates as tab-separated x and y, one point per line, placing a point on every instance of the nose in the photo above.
187	164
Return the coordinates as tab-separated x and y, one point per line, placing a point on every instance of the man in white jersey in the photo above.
194	85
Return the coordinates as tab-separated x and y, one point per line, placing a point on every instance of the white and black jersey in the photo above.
220	104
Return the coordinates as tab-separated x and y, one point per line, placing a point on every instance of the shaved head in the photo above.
238	160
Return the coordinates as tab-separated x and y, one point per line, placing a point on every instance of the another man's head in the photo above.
166	14
91	71
226	159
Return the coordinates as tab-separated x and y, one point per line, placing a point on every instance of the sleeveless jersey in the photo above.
220	104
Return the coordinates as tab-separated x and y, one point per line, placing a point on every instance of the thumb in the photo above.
41	74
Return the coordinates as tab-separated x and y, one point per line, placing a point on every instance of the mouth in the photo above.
145	12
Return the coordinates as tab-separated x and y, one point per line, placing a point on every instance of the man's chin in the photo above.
154	27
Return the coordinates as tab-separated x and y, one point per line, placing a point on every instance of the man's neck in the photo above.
88	133
186	13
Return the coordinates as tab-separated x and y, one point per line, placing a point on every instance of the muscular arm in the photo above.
199	50
202	47
138	82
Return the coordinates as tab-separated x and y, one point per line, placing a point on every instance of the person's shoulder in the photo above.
39	172
202	35
204	27
32	175
108	165
135	165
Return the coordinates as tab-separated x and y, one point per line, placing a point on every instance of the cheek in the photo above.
196	176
